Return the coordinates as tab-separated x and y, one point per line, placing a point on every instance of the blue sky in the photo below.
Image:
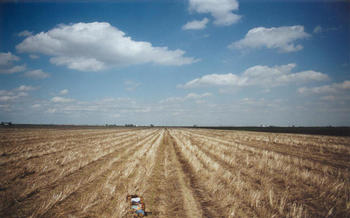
203	62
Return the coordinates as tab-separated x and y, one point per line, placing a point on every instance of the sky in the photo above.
180	62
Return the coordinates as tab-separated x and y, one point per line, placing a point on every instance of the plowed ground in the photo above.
179	172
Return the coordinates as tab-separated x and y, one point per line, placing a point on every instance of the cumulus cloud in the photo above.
13	69
7	58
221	10
281	38
196	24
64	91
25	33
58	99
326	89
10	95
258	76
97	46
36	74
6	63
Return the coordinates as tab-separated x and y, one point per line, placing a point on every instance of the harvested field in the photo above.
179	172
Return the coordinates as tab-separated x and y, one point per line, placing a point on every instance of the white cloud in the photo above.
36	105
96	46
6	92
257	76
37	74
7	58
196	24
6	63
213	80
8	98
79	63
13	69
25	88
6	95
281	38
22	94
131	85
25	33
197	96
58	99
64	91
326	89
5	107
190	96
109	107
221	10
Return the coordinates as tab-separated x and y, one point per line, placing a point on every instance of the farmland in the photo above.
48	172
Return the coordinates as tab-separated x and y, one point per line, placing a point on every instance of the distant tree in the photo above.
129	125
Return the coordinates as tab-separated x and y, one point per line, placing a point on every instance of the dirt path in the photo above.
168	192
199	203
192	206
216	186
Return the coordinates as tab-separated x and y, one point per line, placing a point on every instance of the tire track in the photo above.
167	194
224	186
198	202
155	194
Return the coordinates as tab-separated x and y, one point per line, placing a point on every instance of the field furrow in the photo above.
50	193
207	186
179	172
105	186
